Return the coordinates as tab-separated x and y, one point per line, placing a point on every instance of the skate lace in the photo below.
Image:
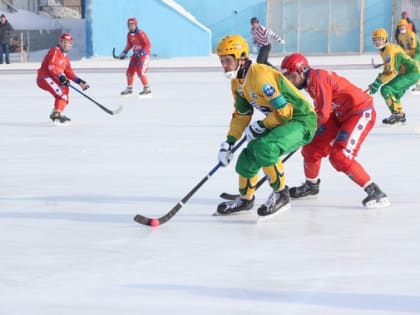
303	188
234	203
272	199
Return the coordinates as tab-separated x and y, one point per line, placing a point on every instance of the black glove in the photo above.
122	55
64	80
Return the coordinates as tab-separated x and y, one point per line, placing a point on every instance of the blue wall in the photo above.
174	35
225	17
170	33
378	15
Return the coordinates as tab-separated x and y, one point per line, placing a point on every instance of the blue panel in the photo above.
182	38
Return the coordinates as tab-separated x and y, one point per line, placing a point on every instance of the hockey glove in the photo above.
64	80
255	130
83	85
122	55
374	87
225	153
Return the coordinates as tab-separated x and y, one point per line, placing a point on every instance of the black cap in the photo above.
2	15
254	20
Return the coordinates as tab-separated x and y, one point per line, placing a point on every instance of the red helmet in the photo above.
66	36
132	20
294	62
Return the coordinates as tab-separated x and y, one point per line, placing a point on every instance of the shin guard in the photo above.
275	174
247	186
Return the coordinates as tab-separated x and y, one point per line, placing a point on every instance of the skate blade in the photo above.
145	96
382	203
217	214
397	124
275	214
61	124
308	197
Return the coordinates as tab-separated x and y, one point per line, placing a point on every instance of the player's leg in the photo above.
312	153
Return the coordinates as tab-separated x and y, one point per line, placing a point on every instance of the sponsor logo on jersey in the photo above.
268	90
240	92
254	95
388	58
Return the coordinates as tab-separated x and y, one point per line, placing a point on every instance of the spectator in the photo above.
5	35
260	40
410	25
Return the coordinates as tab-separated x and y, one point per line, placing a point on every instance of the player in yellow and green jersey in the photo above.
400	72
289	123
409	41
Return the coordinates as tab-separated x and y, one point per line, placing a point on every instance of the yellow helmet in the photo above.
403	22
233	45
380	32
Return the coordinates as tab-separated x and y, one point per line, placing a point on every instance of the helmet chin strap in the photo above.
232	74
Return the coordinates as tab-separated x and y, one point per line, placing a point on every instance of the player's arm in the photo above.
128	46
145	42
412	45
241	117
322	97
390	64
282	109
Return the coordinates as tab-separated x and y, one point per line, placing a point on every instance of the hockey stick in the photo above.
376	66
107	110
165	218
115	55
229	196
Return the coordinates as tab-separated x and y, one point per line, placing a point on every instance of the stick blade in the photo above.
117	111
142	219
228	196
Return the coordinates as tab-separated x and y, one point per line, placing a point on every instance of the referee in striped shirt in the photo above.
260	39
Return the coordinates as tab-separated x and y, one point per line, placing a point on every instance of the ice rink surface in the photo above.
68	195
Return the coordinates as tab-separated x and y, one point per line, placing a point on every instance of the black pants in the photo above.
263	54
4	49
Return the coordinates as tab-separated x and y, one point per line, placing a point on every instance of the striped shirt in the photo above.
260	36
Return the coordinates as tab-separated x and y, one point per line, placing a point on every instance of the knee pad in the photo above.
339	160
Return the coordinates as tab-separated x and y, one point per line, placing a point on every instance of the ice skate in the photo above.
127	91
238	205
58	119
146	93
376	198
277	202
395	119
307	190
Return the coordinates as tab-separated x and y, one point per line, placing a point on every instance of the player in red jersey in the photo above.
345	117
139	62
55	74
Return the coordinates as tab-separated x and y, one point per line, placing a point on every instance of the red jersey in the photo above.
139	41
335	95
56	63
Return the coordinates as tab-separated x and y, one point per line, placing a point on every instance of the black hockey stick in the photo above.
115	55
229	196
165	218
376	66
107	110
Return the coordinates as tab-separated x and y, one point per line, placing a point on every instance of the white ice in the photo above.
68	244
